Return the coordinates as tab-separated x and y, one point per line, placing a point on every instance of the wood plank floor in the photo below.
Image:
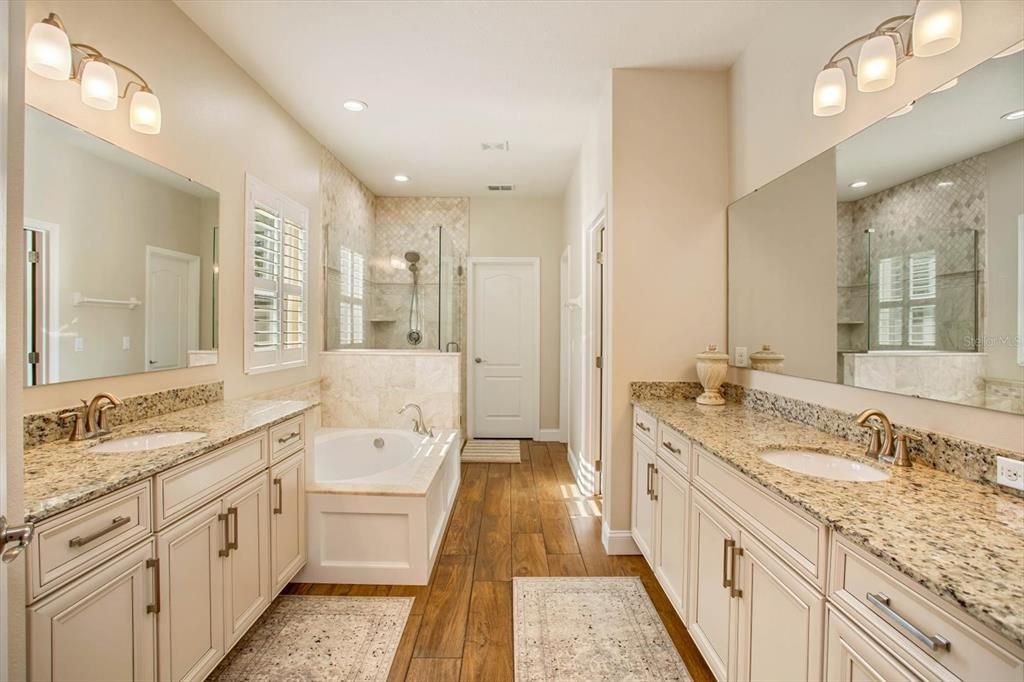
525	519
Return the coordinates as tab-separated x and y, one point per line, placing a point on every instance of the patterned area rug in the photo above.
590	629
319	638
503	451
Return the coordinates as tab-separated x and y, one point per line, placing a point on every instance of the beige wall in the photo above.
773	131
218	125
1005	168
503	226
782	269
670	173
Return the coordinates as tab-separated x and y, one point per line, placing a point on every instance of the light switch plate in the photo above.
126	343
79	344
741	356
1010	472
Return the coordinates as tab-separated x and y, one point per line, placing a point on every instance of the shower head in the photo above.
412	256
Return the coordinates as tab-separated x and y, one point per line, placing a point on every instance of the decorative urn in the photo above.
711	369
767	360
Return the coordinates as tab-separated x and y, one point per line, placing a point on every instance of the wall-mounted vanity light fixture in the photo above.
933	28
51	54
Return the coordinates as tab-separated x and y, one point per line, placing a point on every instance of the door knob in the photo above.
478	360
18	536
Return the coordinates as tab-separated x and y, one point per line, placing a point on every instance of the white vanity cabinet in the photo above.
112	600
643	498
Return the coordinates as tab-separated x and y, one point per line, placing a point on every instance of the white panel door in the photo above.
247	565
287	519
172	308
671	530
504	319
643	500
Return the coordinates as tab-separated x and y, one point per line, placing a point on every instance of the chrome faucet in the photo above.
418	425
884	443
90	420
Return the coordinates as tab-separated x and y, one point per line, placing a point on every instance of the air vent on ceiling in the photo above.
501	188
494	146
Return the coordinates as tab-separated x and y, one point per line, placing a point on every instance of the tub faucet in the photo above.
418	425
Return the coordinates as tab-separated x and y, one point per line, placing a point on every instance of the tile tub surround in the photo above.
46	427
960	540
62	475
364	388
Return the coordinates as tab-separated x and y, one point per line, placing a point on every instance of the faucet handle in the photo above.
902	456
874	447
78	425
101	421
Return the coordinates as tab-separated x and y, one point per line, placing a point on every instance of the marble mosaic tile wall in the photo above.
46	427
366	389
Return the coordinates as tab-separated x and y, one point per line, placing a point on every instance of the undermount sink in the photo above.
149	441
821	465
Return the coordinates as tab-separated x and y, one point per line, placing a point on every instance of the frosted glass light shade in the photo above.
99	85
48	52
876	67
937	27
145	113
830	92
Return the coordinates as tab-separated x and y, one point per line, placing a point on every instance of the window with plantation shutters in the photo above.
277	279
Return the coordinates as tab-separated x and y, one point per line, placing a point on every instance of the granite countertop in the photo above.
961	540
62	474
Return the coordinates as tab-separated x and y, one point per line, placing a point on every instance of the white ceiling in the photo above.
943	128
440	78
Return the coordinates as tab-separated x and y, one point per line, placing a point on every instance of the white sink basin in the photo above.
820	465
150	441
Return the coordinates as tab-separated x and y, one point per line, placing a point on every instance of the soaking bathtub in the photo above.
378	502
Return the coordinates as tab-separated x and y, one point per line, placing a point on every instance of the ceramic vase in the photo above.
711	369
767	360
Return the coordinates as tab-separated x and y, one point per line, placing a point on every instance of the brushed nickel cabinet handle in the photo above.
280	497
227	536
734	552
674	450
881	602
155	606
117	522
650	467
643	427
291	436
233	513
727	544
654	480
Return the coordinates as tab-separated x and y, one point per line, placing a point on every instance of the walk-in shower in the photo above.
392	286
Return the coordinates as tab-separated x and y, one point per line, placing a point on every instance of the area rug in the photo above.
503	451
590	629
319	638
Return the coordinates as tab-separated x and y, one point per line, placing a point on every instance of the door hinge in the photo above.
33	257
597	465
33	357
600	257
599	362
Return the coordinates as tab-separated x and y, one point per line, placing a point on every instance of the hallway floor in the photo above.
526	519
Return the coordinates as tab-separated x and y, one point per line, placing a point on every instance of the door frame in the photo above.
596	308
471	262
563	346
51	299
193	262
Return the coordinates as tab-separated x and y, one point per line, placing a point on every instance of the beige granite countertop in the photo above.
61	475
961	540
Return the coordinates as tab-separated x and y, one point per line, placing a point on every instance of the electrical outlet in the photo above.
79	344
1010	472
741	356
126	343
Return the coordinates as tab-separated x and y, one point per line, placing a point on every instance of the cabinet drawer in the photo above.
916	626
674	448
644	426
75	541
796	537
288	437
189	485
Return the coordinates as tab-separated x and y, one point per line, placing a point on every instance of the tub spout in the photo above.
418	425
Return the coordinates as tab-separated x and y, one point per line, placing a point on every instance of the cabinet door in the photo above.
670	525
101	627
287	519
782	619
852	656
643	504
191	622
712	610
247	565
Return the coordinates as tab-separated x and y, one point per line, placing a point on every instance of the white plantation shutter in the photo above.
922	326
890	326
890	279
277	279
351	271
922	275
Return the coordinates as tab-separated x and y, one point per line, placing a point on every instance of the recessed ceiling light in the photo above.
946	86
946	183
401	178
902	112
1014	115
354	105
859	184
1013	49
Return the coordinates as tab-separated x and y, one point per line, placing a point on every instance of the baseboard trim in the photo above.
585	475
549	435
618	541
